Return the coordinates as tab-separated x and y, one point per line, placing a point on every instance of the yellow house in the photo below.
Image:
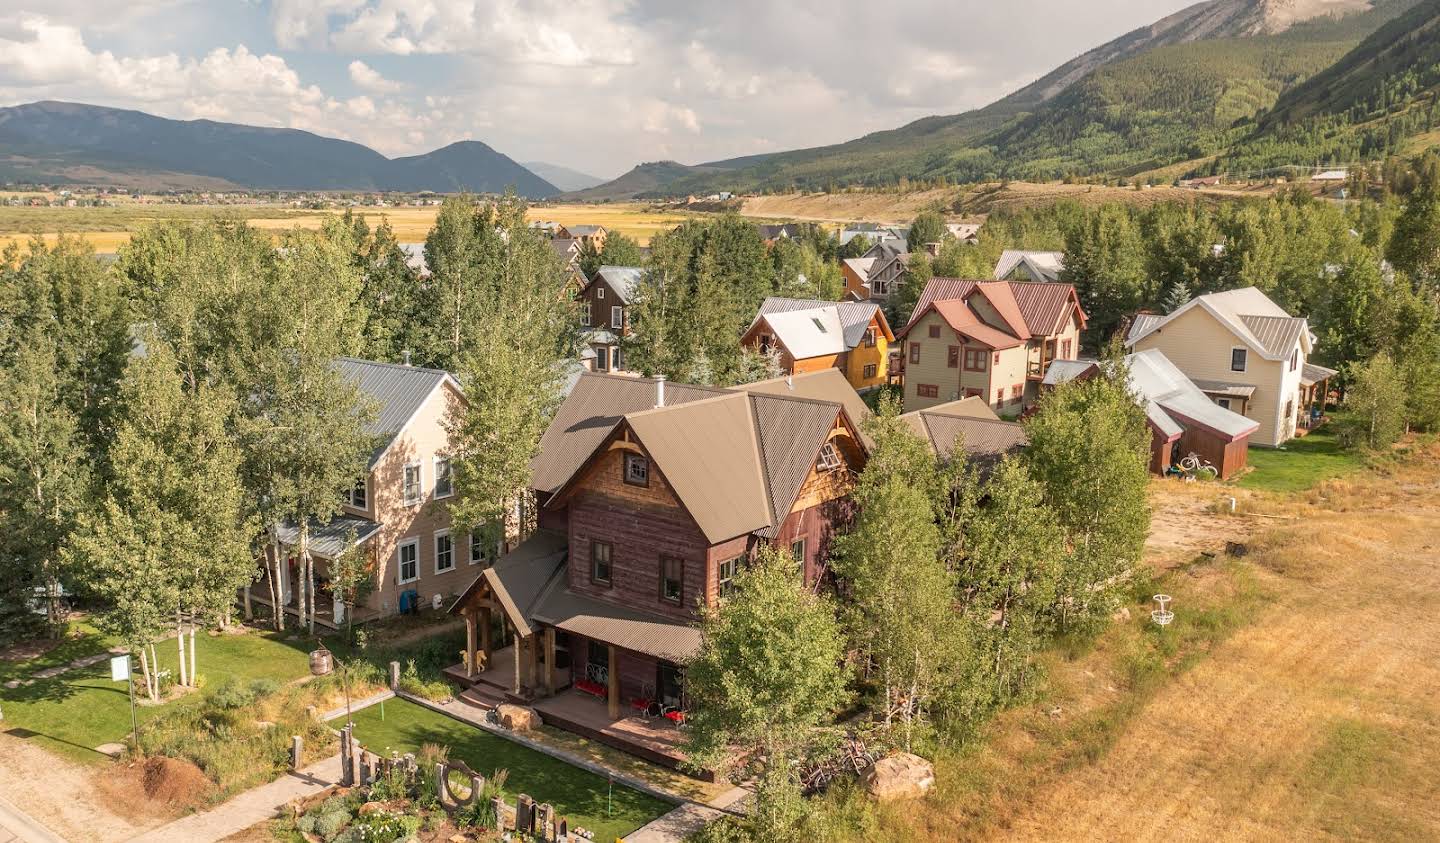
810	335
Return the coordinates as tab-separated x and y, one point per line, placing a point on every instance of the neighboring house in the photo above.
1246	353
603	304
1182	419
887	262
804	333
992	339
965	232
568	250
873	232
984	436
397	511
1016	265
652	496
586	235
415	258
785	231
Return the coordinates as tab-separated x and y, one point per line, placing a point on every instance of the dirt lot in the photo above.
70	799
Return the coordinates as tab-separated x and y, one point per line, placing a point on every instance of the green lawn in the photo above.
575	793
1300	464
80	710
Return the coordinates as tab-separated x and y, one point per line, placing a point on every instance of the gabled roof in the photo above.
827	385
577	231
1248	313
854	316
1171	401
965	322
1000	295
565	247
397	392
415	258
596	403
887	250
1311	374
860	266
331	539
622	279
970	421
812	332
1043	266
1044	306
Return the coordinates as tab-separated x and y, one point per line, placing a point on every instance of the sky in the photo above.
596	85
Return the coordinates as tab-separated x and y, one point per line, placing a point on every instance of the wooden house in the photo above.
810	335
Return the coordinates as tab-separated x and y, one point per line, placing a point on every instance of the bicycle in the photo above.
1196	466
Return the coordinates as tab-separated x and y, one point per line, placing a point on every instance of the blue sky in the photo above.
598	85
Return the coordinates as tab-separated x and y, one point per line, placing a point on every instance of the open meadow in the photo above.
107	228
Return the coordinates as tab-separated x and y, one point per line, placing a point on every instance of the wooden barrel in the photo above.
321	662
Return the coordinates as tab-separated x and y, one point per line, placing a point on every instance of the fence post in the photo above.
394	676
296	748
345	758
499	803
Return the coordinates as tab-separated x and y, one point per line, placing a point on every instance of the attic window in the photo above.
818	325
637	470
829	460
599	292
934	331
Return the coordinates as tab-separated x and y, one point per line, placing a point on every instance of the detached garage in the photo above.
1183	419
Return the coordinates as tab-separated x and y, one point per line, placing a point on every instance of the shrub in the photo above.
386	826
331	823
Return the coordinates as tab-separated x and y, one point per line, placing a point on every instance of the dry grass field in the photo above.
108	228
1296	696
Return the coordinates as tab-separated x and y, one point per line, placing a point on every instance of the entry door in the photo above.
670	681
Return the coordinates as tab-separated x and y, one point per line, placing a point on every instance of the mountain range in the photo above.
1220	84
60	142
561	176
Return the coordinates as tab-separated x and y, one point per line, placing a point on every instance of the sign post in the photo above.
120	672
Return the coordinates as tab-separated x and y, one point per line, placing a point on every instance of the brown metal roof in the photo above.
791	433
710	455
1000	296
519	577
964	321
629	629
1044	305
971	421
1278	335
1311	374
827	385
590	412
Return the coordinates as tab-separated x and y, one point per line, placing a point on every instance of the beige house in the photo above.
987	339
1244	352
398	512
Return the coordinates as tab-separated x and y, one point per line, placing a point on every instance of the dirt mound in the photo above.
174	781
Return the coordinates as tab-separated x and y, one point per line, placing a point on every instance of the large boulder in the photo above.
901	776
517	717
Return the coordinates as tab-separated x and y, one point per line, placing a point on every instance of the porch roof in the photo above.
1311	374
329	540
629	629
518	578
1224	389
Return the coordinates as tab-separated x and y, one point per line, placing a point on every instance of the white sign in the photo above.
119	668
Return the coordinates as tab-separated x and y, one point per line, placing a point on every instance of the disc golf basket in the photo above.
1162	616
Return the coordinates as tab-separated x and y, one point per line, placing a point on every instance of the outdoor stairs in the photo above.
483	696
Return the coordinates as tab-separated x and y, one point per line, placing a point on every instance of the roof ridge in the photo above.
403	366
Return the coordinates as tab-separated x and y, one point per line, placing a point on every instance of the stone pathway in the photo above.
61	669
18	827
247	809
686	820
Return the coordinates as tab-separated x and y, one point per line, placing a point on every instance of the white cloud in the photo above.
369	79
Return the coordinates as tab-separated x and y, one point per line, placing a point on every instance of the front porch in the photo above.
325	614
654	739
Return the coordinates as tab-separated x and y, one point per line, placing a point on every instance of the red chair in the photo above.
594	689
674	715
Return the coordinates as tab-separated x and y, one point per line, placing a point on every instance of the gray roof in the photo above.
1278	335
1226	389
518	578
1142	324
329	540
576	231
855	316
1312	374
790	432
397	391
1172	401
971	421
415	257
629	629
622	279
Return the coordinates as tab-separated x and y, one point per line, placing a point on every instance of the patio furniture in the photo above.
646	701
596	682
674	715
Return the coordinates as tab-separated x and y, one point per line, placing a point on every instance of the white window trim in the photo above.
435	544
470	550
349	497
420	486
1231	362
615	310
600	292
435	469
399	560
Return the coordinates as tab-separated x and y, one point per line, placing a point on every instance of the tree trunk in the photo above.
249	613
193	672
180	644
148	676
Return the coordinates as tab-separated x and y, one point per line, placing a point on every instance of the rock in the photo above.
1123	614
458	838
901	776
370	808
114	750
517	717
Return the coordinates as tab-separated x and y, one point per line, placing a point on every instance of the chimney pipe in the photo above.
790	381
659	391
407	357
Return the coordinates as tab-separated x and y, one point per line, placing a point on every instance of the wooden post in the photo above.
519	642
612	699
550	660
532	663
469	643
485	633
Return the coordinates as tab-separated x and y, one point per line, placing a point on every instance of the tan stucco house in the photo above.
1246	353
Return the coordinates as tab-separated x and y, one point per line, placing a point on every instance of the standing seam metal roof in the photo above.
855	316
1044	305
398	391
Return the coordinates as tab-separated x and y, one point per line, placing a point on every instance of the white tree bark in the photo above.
180	644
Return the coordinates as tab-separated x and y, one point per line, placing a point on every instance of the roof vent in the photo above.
407	357
659	391
790	381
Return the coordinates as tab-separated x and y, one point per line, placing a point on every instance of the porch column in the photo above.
485	633
469	643
612	698
532	663
550	660
519	642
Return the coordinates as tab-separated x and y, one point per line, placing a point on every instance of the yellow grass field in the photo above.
109	228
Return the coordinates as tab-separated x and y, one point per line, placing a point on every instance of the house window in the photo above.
797	550
411	490
670	684
1237	359
1294	359
1016	391
975	359
934	332
600	563
869	337
927	390
829	460
409	558
871	371
1065	350
672	579
725	573
952	359
615	363
357	497
585	318
480	548
637	470
914	352
444	552
602	358
1223	402
444	483
599	292
617	317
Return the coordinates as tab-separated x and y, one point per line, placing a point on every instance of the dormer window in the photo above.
637	470
357	496
829	458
